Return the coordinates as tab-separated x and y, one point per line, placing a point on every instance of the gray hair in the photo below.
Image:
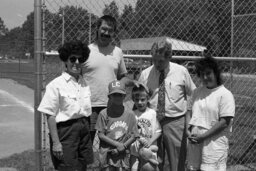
162	46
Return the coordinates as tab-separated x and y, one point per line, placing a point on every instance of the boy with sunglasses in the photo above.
67	105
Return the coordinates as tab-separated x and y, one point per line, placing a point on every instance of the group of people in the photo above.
170	115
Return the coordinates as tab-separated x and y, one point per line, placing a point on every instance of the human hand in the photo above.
192	140
144	142
57	150
136	83
120	147
114	152
196	138
188	133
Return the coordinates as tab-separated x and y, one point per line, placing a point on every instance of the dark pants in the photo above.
173	141
76	143
93	120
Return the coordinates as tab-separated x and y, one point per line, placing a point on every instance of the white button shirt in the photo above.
66	98
178	87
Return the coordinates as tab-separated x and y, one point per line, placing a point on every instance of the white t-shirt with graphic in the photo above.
148	125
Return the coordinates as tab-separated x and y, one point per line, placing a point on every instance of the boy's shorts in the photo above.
76	142
122	160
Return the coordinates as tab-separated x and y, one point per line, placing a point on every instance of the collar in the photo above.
213	89
166	70
96	45
68	77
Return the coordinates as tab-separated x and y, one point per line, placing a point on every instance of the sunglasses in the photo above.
73	59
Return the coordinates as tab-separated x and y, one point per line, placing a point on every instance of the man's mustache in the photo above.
105	36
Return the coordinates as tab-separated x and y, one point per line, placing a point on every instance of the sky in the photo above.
14	12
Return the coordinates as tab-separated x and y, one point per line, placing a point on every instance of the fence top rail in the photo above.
195	57
184	57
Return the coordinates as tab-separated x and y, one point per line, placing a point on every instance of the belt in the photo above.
71	121
168	119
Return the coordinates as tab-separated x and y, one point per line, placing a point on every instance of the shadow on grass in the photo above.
25	161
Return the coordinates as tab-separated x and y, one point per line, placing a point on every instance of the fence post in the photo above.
232	43
38	83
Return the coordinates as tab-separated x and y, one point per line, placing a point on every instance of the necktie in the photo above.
161	98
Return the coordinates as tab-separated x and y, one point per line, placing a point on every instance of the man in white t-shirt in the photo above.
105	64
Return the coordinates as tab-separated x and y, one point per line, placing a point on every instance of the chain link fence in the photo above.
224	28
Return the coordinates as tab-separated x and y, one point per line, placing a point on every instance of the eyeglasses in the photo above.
73	59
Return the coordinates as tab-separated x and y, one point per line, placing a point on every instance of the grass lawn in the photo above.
24	161
22	73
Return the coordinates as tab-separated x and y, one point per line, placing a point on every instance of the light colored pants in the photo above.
211	167
174	142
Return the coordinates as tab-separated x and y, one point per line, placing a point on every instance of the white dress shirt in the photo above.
66	98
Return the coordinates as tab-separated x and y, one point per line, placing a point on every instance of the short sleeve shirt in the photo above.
148	125
178	86
102	67
209	105
66	98
119	128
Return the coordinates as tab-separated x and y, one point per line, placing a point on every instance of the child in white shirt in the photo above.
144	149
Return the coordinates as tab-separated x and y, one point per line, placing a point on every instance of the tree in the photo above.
3	32
11	41
126	23
76	25
143	14
28	35
200	22
112	10
3	29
